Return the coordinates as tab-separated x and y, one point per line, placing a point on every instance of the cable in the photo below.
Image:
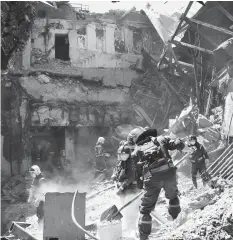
74	219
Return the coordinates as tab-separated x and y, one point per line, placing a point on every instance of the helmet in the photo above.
192	137
123	153
192	140
35	169
101	140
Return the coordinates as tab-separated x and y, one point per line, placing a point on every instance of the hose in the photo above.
75	221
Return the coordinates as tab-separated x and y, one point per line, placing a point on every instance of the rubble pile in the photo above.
15	190
207	216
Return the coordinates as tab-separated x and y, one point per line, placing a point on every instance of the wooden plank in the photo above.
209	102
194	27
196	83
185	51
186	64
177	30
182	19
224	11
194	47
220	29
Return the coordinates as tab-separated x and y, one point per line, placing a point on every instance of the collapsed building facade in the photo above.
78	79
73	84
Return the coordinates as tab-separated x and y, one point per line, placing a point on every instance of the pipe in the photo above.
228	169
75	221
94	194
226	150
222	170
216	160
230	172
230	176
221	162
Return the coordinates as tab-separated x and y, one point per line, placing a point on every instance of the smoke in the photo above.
77	179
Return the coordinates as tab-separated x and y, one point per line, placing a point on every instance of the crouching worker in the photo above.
125	177
158	172
198	158
36	194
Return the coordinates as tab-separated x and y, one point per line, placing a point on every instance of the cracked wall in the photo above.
103	37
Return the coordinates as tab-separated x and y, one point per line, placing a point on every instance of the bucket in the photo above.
110	230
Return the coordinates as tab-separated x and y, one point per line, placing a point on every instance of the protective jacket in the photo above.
125	173
197	153
155	153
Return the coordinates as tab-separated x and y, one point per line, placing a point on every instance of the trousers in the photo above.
40	210
198	167
153	185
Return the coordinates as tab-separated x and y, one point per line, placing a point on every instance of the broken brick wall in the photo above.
15	128
118	40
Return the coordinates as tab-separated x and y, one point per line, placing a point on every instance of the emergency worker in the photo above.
125	177
158	171
198	157
101	155
36	194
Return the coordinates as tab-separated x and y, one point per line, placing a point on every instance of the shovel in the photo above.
113	213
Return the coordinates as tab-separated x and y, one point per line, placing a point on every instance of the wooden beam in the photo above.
224	11
180	97
195	47
196	83
184	50
181	20
176	60
177	30
194	27
186	64
220	29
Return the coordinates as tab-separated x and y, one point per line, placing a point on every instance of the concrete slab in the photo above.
58	223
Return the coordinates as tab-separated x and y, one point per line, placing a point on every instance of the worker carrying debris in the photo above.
36	195
198	157
158	171
101	155
125	177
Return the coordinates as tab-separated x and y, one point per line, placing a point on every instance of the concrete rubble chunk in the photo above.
203	122
43	78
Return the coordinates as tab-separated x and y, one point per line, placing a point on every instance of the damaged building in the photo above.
83	75
80	78
75	83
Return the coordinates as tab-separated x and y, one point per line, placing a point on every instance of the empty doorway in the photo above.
62	47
